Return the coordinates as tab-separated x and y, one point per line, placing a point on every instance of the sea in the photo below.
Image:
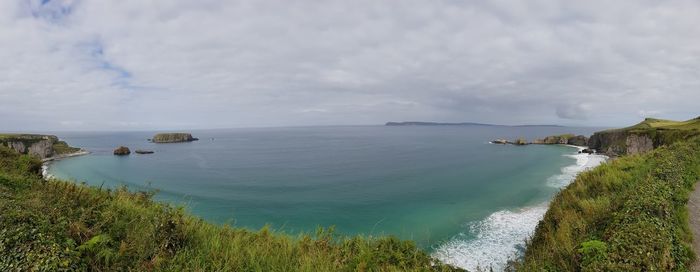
469	203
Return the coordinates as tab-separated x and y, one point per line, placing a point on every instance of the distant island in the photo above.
173	138
417	123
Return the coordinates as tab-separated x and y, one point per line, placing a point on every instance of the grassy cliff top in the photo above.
9	136
661	124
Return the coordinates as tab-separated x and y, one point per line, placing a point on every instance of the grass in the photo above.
660	124
61	147
63	226
626	215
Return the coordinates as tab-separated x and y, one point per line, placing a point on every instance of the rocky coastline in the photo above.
565	139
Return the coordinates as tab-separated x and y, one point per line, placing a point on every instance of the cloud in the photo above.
574	112
134	64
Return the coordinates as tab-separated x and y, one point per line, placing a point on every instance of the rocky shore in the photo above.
565	139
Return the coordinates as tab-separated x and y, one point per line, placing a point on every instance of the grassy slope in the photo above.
626	215
58	225
693	124
61	148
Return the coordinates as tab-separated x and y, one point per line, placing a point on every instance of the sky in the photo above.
179	64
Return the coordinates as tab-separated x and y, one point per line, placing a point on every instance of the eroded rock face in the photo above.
554	140
621	143
637	144
42	149
40	146
579	140
122	151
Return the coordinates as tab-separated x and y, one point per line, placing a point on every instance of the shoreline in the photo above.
46	162
500	236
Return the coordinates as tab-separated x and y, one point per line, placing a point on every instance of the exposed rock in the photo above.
122	150
40	146
520	141
616	143
499	141
561	139
588	151
173	138
138	151
637	144
579	140
569	139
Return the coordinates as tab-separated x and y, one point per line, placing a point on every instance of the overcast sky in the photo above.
135	64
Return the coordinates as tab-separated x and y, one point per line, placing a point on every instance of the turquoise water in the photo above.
429	184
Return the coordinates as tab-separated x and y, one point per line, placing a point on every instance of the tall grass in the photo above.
626	215
62	226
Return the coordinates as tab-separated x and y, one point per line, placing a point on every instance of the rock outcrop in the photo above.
569	139
40	146
173	138
637	144
122	151
499	141
138	151
616	143
579	140
520	141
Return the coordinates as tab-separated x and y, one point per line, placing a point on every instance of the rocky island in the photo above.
122	151
173	138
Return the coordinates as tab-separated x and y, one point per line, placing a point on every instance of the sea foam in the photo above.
492	242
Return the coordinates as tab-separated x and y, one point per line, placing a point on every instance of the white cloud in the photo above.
162	64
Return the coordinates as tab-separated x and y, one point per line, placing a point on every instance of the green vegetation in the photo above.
558	139
63	226
62	148
650	133
626	215
660	124
173	138
26	139
48	145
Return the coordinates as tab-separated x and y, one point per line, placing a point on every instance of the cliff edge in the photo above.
40	146
645	136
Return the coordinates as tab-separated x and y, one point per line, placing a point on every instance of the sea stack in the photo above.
122	151
173	138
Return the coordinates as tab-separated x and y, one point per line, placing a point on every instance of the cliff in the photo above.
173	138
570	139
40	146
643	137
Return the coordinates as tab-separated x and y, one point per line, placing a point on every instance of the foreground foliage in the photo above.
62	226
626	215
